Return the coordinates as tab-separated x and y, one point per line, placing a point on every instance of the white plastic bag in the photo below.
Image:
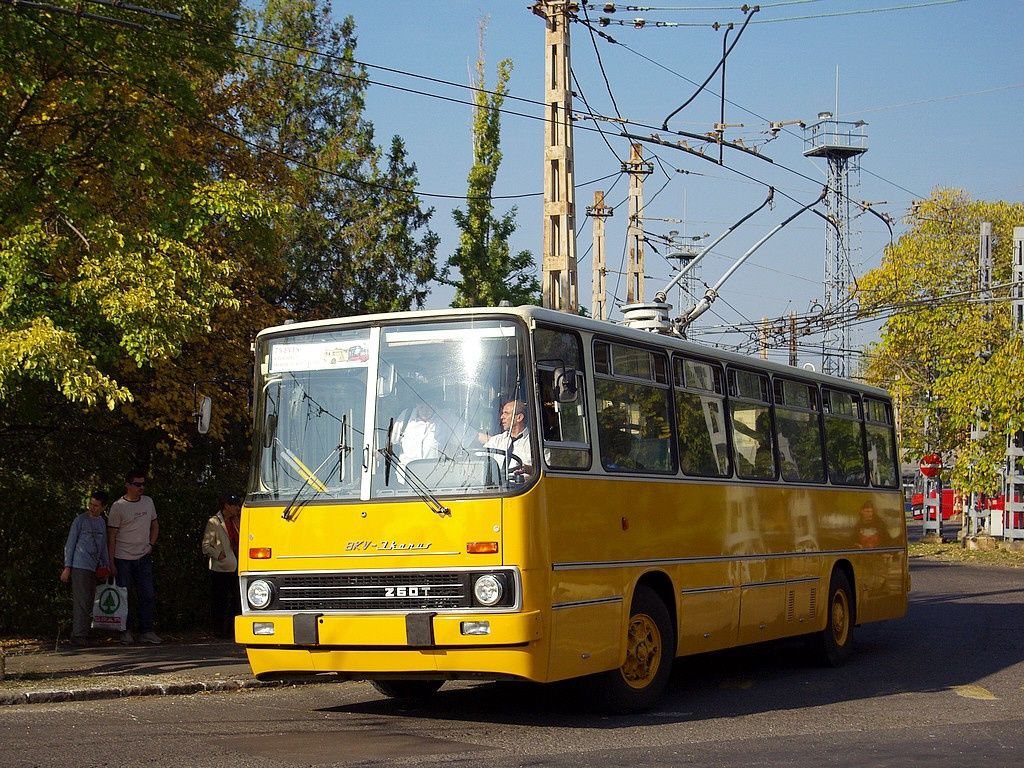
110	607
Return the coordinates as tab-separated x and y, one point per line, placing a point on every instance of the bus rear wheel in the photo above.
407	689
834	644
650	649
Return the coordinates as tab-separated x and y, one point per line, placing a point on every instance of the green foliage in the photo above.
489	272
143	245
931	342
105	245
351	238
41	503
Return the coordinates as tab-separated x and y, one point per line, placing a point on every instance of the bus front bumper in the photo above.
424	643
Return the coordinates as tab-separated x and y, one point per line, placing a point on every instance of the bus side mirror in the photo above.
564	385
203	413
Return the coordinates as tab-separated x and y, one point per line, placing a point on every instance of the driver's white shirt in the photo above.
520	446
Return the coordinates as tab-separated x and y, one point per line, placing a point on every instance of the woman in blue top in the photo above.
84	552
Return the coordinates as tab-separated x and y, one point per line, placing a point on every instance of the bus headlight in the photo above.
488	589
260	593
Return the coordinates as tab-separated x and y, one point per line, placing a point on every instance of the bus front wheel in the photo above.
650	649
835	643
407	689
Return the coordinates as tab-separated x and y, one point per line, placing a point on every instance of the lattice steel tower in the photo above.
841	144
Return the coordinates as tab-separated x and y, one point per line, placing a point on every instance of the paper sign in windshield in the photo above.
318	356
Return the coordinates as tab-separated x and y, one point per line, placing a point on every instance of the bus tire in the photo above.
407	689
650	648
834	644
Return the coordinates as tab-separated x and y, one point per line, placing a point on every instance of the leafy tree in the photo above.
104	247
145	240
489	272
929	353
351	240
119	250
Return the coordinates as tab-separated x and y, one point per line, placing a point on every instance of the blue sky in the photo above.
941	88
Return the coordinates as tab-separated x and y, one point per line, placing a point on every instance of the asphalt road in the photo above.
942	687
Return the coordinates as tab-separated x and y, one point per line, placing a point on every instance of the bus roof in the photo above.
533	314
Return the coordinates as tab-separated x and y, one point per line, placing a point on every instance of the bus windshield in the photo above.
394	411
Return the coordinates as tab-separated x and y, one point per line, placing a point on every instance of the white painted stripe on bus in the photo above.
703	590
581	603
718	559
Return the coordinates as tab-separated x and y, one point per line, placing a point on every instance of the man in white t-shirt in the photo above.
132	530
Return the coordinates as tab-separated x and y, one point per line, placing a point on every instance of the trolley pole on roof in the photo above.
559	288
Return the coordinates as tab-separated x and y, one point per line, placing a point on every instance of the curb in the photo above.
150	689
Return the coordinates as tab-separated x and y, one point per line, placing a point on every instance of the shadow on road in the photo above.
953	608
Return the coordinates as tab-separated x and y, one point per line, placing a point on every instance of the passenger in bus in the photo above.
425	432
513	442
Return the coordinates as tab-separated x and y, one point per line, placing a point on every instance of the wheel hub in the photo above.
642	652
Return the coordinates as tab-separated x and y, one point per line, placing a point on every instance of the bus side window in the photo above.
562	425
700	418
844	438
751	422
882	468
633	414
798	429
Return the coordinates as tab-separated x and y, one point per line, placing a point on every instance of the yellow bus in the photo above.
519	493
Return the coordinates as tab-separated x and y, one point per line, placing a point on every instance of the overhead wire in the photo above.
116	4
600	65
583	98
255	145
721	63
422	93
766	120
640	23
308	67
643	8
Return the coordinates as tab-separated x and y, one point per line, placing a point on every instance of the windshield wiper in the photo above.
308	478
343	448
420	488
389	451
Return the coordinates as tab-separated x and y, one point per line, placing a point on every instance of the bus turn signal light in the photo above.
482	547
259	553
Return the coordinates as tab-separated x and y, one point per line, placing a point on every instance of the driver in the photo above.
514	439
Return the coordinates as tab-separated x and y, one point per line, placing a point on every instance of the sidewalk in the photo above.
32	673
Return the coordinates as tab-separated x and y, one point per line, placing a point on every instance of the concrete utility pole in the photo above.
559	289
841	144
792	339
1013	483
599	212
637	169
976	520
